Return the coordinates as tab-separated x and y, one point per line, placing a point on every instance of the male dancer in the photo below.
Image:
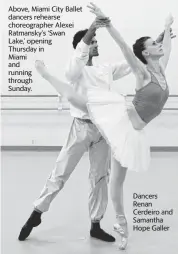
83	136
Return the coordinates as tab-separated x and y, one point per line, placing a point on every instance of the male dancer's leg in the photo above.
99	154
77	143
80	102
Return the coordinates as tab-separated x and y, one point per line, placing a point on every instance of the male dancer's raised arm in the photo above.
160	37
81	54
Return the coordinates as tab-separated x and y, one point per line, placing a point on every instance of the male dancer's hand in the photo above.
168	22
97	23
161	36
100	22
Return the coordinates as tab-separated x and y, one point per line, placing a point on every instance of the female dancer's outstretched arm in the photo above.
167	42
136	65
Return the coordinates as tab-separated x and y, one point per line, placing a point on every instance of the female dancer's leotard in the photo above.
150	99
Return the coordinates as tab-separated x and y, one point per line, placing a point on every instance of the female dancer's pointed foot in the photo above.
40	67
121	228
123	244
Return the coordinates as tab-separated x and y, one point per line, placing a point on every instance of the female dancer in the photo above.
125	135
120	123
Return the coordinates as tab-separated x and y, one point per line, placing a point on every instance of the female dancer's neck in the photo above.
153	65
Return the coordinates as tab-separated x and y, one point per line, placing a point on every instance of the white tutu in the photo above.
129	146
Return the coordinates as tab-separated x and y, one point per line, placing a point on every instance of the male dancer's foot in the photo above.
33	221
99	233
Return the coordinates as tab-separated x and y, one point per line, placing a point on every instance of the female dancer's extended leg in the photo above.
62	88
117	180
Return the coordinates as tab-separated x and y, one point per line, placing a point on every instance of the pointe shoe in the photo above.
40	67
122	230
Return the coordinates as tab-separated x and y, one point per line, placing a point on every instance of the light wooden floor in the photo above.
65	228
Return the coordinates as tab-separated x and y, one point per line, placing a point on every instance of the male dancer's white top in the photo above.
82	76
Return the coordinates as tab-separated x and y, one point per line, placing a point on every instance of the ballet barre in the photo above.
59	96
65	109
35	95
61	107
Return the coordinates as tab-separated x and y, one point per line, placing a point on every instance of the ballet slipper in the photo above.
41	68
121	228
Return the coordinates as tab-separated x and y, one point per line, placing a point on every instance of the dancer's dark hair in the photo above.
139	46
78	36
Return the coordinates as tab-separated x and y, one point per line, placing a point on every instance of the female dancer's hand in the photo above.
96	10
169	20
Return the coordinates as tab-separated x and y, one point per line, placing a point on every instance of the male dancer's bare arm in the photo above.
81	54
90	33
161	36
